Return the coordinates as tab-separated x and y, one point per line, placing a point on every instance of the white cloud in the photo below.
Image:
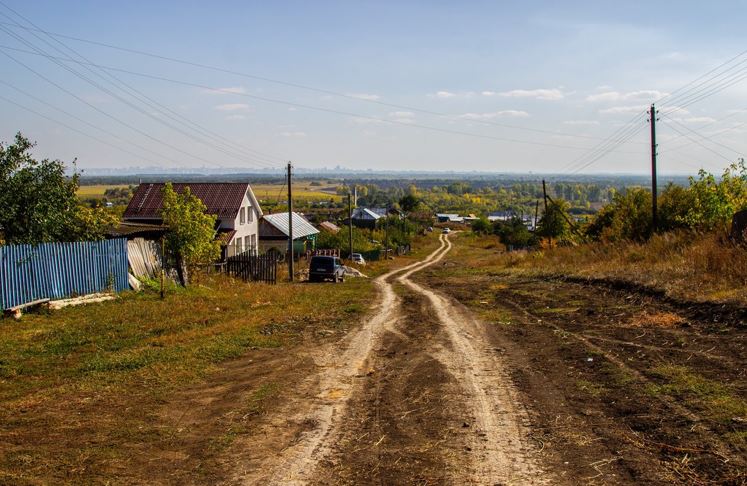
232	107
553	94
581	122
365	96
402	114
236	117
229	90
451	94
695	119
616	96
495	114
293	134
365	121
616	110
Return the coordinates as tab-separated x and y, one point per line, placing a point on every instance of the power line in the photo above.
619	142
722	156
105	90
298	85
607	145
151	103
709	86
708	139
310	107
96	127
58	122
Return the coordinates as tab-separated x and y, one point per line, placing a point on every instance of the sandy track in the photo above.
505	453
500	450
340	367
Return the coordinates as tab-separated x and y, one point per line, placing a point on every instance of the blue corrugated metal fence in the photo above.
59	270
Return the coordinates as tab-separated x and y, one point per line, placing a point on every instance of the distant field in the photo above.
273	192
264	192
97	191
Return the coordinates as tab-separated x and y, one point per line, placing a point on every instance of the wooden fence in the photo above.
253	268
30	273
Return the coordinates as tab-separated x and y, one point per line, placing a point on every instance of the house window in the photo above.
238	242
242	216
253	241
247	244
249	214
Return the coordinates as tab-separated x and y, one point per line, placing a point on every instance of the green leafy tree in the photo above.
482	226
191	235
715	201
409	203
514	233
553	223
38	201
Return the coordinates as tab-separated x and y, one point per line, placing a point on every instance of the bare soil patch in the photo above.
625	387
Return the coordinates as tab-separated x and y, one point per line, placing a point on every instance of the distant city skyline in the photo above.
546	87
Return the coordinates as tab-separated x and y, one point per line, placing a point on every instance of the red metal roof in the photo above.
224	237
221	198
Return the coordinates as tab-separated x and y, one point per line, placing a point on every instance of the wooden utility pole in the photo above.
536	213
544	193
290	225
654	188
386	232
350	223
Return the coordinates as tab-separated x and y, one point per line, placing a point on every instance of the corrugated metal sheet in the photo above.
59	270
144	257
301	227
366	214
221	198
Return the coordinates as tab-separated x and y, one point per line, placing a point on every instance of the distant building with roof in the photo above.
329	227
449	218
234	205
367	217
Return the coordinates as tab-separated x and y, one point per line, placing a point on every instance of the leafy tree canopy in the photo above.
191	235
38	202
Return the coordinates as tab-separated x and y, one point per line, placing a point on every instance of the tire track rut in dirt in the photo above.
328	394
415	395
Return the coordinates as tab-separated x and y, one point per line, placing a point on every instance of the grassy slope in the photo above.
695	267
96	370
79	386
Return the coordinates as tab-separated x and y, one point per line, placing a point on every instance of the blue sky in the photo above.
577	72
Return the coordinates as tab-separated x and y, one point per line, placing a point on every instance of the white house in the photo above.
233	203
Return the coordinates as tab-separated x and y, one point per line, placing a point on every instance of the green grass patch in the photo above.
711	396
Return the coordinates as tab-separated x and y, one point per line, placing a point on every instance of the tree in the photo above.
514	233
482	226
554	223
191	235
409	203
38	202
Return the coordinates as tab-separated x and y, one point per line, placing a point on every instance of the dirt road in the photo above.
414	396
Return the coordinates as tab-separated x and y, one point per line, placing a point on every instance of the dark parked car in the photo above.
326	268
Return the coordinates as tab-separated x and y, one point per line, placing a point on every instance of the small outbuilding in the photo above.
273	233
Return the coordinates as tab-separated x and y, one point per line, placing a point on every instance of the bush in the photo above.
514	233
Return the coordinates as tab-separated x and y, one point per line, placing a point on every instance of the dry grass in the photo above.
700	267
96	191
301	190
76	383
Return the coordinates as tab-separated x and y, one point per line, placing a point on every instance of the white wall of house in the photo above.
246	225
